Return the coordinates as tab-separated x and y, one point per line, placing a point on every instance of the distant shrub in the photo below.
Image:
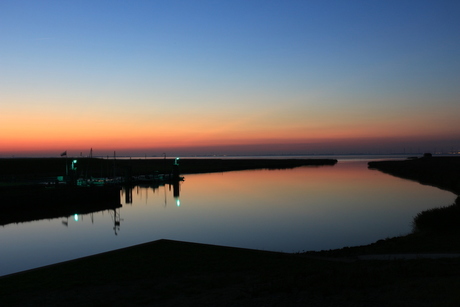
444	219
427	155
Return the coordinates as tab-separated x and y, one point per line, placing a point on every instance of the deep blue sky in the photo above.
258	76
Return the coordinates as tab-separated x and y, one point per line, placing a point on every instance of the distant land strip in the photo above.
35	168
440	172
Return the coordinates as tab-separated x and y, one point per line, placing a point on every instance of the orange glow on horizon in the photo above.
49	131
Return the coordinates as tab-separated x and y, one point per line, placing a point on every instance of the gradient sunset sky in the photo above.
229	77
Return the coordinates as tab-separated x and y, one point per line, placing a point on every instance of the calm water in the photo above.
307	208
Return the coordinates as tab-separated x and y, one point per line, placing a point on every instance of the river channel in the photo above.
292	210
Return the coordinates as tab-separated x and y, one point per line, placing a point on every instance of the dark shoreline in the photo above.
32	169
440	172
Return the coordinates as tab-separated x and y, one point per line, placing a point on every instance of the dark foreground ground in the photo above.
171	273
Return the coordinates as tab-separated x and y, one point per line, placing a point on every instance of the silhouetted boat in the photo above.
99	182
156	178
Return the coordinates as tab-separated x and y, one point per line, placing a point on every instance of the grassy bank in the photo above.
440	220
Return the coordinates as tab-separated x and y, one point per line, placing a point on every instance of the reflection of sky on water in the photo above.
309	208
303	208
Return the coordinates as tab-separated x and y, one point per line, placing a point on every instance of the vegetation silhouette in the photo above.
443	219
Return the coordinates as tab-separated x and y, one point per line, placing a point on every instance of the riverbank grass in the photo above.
443	219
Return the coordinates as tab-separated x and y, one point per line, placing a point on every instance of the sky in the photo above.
229	77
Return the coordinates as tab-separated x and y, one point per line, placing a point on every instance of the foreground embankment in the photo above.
36	168
171	273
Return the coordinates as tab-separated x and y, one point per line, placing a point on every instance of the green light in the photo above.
73	165
75	217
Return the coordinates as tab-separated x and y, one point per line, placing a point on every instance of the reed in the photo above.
443	219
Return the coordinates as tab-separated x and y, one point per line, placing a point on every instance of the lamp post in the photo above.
74	167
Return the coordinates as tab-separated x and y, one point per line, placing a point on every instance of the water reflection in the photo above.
116	221
26	210
140	189
115	214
